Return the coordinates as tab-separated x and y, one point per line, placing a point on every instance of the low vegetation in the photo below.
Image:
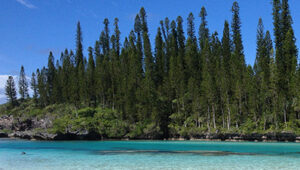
110	124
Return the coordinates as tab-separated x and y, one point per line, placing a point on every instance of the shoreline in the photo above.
40	129
226	137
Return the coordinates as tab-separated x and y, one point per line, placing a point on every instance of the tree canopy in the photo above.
180	85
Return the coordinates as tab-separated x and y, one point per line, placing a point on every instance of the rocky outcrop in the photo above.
37	129
20	124
6	122
21	134
32	135
43	123
60	136
26	129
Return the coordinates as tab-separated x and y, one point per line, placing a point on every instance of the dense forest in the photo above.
187	84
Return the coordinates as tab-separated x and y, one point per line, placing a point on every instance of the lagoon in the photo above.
147	155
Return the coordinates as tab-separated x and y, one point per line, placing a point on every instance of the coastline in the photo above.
227	137
40	129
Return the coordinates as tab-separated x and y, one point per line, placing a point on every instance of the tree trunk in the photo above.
113	100
198	122
223	117
184	115
214	116
177	103
255	117
208	119
265	122
276	123
240	112
228	117
284	115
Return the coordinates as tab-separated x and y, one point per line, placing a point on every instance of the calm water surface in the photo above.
147	155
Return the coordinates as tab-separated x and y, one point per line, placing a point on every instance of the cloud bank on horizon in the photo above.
3	79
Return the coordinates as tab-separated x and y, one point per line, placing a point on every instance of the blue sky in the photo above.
29	29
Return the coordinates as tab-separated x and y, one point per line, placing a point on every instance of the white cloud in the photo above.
26	4
3	80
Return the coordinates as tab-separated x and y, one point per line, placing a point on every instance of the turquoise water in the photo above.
147	155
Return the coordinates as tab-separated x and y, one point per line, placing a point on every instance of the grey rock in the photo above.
43	123
44	136
22	134
6	122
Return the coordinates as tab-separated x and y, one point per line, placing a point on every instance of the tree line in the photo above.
188	84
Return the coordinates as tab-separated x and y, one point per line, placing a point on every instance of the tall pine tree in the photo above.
23	85
10	91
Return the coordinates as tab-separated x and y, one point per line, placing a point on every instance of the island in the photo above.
187	84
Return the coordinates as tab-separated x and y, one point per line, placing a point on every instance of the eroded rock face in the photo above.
22	125
27	129
79	135
22	134
32	135
43	123
6	122
17	124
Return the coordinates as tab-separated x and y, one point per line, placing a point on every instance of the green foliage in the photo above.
249	126
10	91
23	84
7	131
60	125
186	87
109	123
136	130
86	112
36	112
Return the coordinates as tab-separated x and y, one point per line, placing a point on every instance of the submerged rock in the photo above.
194	152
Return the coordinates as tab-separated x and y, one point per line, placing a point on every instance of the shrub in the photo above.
60	125
249	126
35	112
152	130
86	112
